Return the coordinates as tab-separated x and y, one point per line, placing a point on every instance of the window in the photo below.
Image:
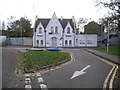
68	30
37	41
52	29
89	42
56	29
65	41
42	42
67	35
82	41
70	42
40	30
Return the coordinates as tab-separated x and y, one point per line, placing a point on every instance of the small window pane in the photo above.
68	30
41	41
37	41
40	30
56	29
65	41
70	42
52	29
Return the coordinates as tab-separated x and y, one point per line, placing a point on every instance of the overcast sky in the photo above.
46	8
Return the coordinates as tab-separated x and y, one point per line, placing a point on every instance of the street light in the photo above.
108	37
108	33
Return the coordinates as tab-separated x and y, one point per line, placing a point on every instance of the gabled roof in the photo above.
63	22
43	21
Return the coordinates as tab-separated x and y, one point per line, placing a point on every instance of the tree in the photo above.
91	28
3	25
21	27
80	25
113	5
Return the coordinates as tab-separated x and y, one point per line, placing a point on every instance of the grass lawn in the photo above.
34	59
113	50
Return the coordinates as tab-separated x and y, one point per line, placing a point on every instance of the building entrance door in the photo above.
54	42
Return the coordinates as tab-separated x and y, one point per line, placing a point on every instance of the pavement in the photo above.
9	62
114	59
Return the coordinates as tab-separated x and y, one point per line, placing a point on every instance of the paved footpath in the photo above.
112	58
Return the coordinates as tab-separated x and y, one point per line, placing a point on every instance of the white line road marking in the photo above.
28	86
27	80
78	73
40	80
43	87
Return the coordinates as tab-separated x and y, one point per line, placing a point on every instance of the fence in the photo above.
25	41
2	40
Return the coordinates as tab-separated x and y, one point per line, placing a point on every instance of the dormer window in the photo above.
40	30
56	29
68	30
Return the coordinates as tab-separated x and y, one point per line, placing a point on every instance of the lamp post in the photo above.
108	37
108	33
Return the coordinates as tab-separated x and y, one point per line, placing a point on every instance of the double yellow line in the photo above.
108	83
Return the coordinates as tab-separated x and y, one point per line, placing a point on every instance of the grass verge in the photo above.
113	50
36	59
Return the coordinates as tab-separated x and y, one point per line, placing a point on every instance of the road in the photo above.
94	77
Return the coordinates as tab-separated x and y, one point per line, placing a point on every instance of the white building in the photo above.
61	32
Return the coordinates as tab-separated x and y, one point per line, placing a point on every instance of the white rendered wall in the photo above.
68	36
86	40
54	22
40	36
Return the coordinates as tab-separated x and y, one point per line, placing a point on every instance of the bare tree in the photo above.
3	25
80	24
114	6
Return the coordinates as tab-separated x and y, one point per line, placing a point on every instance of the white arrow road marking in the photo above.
43	87
78	73
28	86
40	80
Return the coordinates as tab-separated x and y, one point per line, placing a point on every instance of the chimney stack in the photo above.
61	17
36	17
73	18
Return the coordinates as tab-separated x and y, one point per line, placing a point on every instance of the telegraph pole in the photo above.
108	27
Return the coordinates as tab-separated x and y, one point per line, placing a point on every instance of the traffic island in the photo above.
33	61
